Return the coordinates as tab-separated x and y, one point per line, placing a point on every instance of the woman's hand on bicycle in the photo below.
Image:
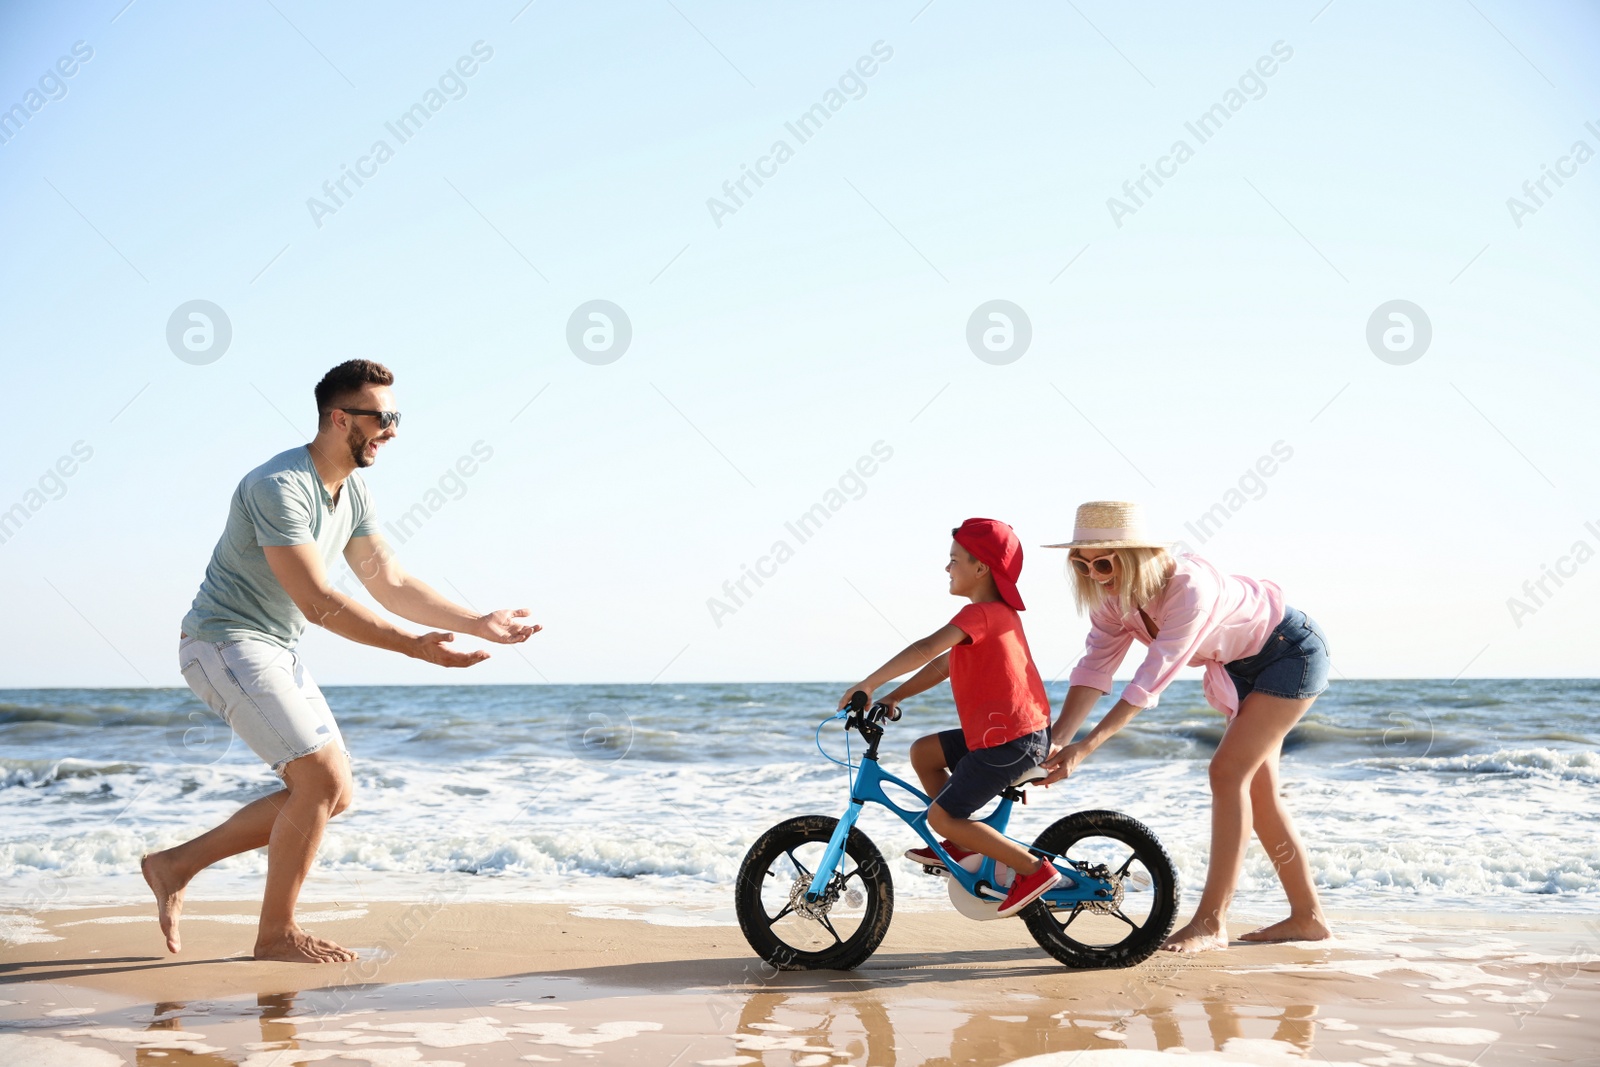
1063	760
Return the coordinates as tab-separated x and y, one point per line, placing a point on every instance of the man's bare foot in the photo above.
296	946
166	884
1195	938
1291	929
345	955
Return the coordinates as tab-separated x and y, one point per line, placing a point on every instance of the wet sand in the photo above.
475	983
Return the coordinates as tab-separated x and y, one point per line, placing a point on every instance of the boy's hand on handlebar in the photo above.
859	687
1063	760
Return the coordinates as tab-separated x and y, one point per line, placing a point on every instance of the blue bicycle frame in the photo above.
866	785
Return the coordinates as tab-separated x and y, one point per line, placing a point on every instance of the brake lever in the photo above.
882	711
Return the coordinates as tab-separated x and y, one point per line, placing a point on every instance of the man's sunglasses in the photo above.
385	419
1099	565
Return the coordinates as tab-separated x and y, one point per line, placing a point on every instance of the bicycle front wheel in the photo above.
837	932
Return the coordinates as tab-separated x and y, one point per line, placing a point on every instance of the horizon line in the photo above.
651	685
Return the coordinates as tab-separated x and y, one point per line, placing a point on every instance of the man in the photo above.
268	576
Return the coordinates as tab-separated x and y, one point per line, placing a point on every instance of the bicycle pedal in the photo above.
941	869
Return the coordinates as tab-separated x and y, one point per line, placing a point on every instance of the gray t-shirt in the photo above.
281	502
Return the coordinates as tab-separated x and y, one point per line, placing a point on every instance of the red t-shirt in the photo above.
999	694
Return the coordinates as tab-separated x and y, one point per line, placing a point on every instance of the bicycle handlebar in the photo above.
867	720
864	720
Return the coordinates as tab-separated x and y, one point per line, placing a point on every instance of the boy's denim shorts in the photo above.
1292	664
263	692
978	775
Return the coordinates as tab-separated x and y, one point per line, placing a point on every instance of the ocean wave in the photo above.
88	715
1422	869
1559	764
561	828
34	773
1563	736
1199	738
1143	745
674	862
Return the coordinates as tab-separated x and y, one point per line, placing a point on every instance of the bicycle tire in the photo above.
1050	927
762	872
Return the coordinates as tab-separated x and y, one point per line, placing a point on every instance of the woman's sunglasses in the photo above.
385	419
1099	565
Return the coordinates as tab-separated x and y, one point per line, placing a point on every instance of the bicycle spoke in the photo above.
823	919
1118	913
798	865
787	908
1126	864
1077	910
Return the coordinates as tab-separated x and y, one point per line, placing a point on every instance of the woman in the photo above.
1265	663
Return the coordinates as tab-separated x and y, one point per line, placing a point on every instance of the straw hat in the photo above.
1110	524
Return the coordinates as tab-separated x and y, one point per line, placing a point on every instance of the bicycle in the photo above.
791	907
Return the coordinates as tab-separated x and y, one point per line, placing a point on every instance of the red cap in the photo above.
994	544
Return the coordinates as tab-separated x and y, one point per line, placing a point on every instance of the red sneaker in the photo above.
1027	888
928	858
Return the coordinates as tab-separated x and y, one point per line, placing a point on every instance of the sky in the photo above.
1347	324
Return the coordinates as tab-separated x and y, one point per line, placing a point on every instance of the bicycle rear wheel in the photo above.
1125	929
837	932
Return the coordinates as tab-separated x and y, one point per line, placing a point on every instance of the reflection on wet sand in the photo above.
796	1026
785	1028
277	1029
272	1015
168	1017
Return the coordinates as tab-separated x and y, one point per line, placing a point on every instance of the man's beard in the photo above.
358	449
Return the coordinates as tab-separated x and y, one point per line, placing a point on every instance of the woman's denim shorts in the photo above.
1293	663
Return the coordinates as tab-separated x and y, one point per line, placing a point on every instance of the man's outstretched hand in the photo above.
435	648
501	627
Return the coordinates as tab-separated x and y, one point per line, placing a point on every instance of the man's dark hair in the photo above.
348	377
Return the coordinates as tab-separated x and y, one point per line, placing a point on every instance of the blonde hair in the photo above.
1144	573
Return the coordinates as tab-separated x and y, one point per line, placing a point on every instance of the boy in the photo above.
999	696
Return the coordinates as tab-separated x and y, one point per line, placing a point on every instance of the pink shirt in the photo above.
1204	618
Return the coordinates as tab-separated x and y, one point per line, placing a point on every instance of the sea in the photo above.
1410	795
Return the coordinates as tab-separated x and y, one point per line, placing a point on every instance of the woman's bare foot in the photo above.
1291	929
1195	938
168	886
296	946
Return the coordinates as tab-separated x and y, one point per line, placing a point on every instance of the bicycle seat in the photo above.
1028	777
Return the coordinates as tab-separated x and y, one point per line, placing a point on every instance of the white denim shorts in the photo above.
264	693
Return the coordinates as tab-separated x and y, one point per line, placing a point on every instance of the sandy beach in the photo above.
476	983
